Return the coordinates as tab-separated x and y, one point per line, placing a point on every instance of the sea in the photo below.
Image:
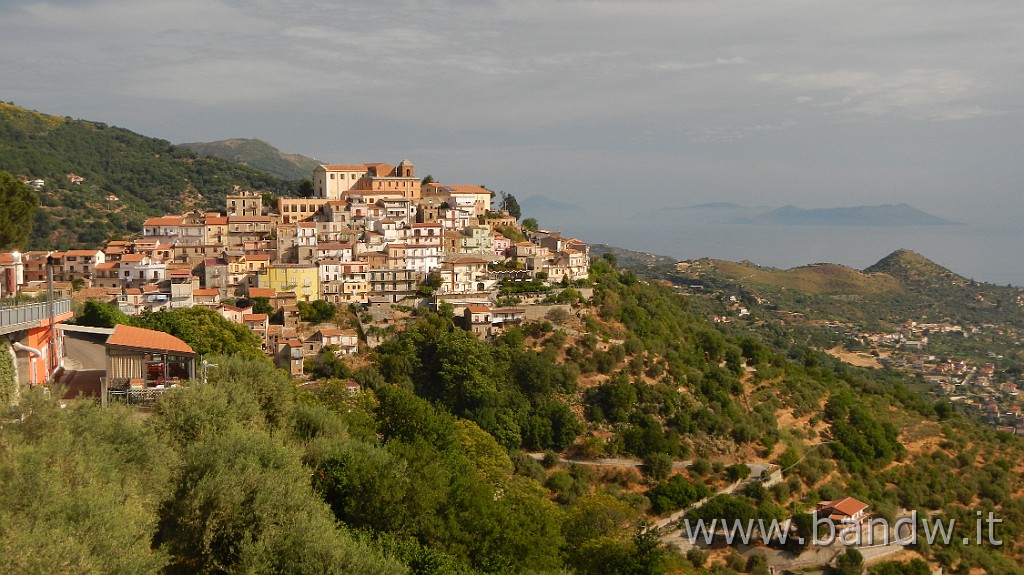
985	253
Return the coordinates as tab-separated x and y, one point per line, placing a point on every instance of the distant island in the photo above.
886	215
536	205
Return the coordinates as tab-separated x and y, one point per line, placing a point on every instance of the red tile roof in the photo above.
164	221
847	506
345	167
467	190
126	336
249	219
330	332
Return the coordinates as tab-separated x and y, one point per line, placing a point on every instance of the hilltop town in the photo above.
373	235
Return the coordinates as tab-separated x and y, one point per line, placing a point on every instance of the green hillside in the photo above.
258	155
127	177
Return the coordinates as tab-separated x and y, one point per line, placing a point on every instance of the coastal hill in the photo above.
914	270
901	285
100	181
258	155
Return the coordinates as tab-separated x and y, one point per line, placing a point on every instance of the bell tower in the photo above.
406	169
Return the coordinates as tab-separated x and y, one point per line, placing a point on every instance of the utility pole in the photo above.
53	328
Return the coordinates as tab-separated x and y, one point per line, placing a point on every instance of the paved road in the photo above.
86	351
608	462
84	365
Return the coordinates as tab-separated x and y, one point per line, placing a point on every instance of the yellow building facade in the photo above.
301	279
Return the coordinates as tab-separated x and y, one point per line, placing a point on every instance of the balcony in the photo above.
18	317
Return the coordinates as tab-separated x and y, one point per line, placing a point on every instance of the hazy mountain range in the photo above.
259	155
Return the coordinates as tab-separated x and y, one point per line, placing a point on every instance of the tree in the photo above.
96	313
305	189
428	179
205	330
850	563
262	305
737	471
327	364
243	504
658	465
598	517
676	493
17	204
510	205
697	557
530	224
318	311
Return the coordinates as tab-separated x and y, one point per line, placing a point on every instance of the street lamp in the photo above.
205	366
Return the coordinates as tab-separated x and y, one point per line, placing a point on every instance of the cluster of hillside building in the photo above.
371	233
980	387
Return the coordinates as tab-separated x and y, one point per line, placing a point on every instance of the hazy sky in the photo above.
816	103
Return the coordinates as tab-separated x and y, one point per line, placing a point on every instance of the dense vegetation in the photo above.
8	377
205	330
148	177
17	206
246	475
514	393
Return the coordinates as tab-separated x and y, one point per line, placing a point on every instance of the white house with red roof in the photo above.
845	511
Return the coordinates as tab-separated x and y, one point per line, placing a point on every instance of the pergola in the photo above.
145	358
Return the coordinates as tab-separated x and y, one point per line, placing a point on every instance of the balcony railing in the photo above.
30	313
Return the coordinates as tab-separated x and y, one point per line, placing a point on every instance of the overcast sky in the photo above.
815	103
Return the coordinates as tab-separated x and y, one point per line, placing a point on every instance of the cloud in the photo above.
727	97
680	66
914	94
